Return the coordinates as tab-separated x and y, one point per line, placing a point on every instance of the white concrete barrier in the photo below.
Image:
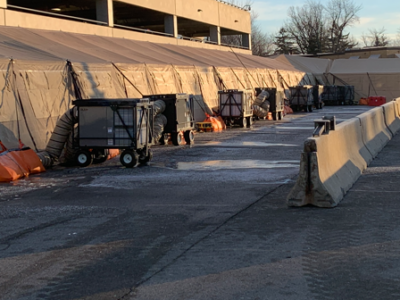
331	163
374	130
397	103
391	115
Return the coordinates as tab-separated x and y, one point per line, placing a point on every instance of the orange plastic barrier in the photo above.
28	159
218	123
19	163
9	169
363	101
112	153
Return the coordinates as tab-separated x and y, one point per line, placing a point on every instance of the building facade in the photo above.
196	23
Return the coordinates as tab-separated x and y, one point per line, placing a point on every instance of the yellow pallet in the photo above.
204	126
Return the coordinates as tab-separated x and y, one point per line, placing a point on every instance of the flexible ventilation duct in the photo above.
61	133
46	159
160	121
159	107
261	112
261	102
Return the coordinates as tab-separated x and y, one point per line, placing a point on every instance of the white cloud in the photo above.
365	21
270	11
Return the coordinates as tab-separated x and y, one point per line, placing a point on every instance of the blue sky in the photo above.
374	14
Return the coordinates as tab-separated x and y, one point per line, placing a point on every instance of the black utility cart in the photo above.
276	100
235	107
103	124
301	97
179	112
317	92
338	95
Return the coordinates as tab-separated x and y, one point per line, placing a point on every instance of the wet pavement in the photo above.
203	222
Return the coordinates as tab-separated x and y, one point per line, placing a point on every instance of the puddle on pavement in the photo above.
294	128
244	144
228	165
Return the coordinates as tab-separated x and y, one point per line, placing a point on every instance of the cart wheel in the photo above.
310	108
84	158
243	122
176	138
164	139
100	156
249	121
189	137
128	158
280	115
145	159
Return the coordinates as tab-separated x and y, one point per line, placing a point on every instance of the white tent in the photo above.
43	71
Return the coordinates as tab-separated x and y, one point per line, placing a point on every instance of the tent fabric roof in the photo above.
357	66
42	45
306	64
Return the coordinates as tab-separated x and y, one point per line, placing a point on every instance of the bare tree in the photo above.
307	25
318	28
262	44
375	38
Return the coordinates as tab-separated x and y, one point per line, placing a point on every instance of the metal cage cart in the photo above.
235	107
301	97
277	101
331	95
179	111
125	124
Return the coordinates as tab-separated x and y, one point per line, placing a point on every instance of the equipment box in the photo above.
338	95
301	97
179	112
276	100
235	106
114	124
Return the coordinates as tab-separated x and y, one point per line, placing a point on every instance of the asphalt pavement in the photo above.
203	222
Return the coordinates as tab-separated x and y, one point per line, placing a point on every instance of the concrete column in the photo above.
3	3
171	25
215	34
105	11
246	40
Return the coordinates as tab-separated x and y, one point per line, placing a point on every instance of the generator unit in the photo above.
301	97
276	99
338	95
179	111
125	124
235	107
